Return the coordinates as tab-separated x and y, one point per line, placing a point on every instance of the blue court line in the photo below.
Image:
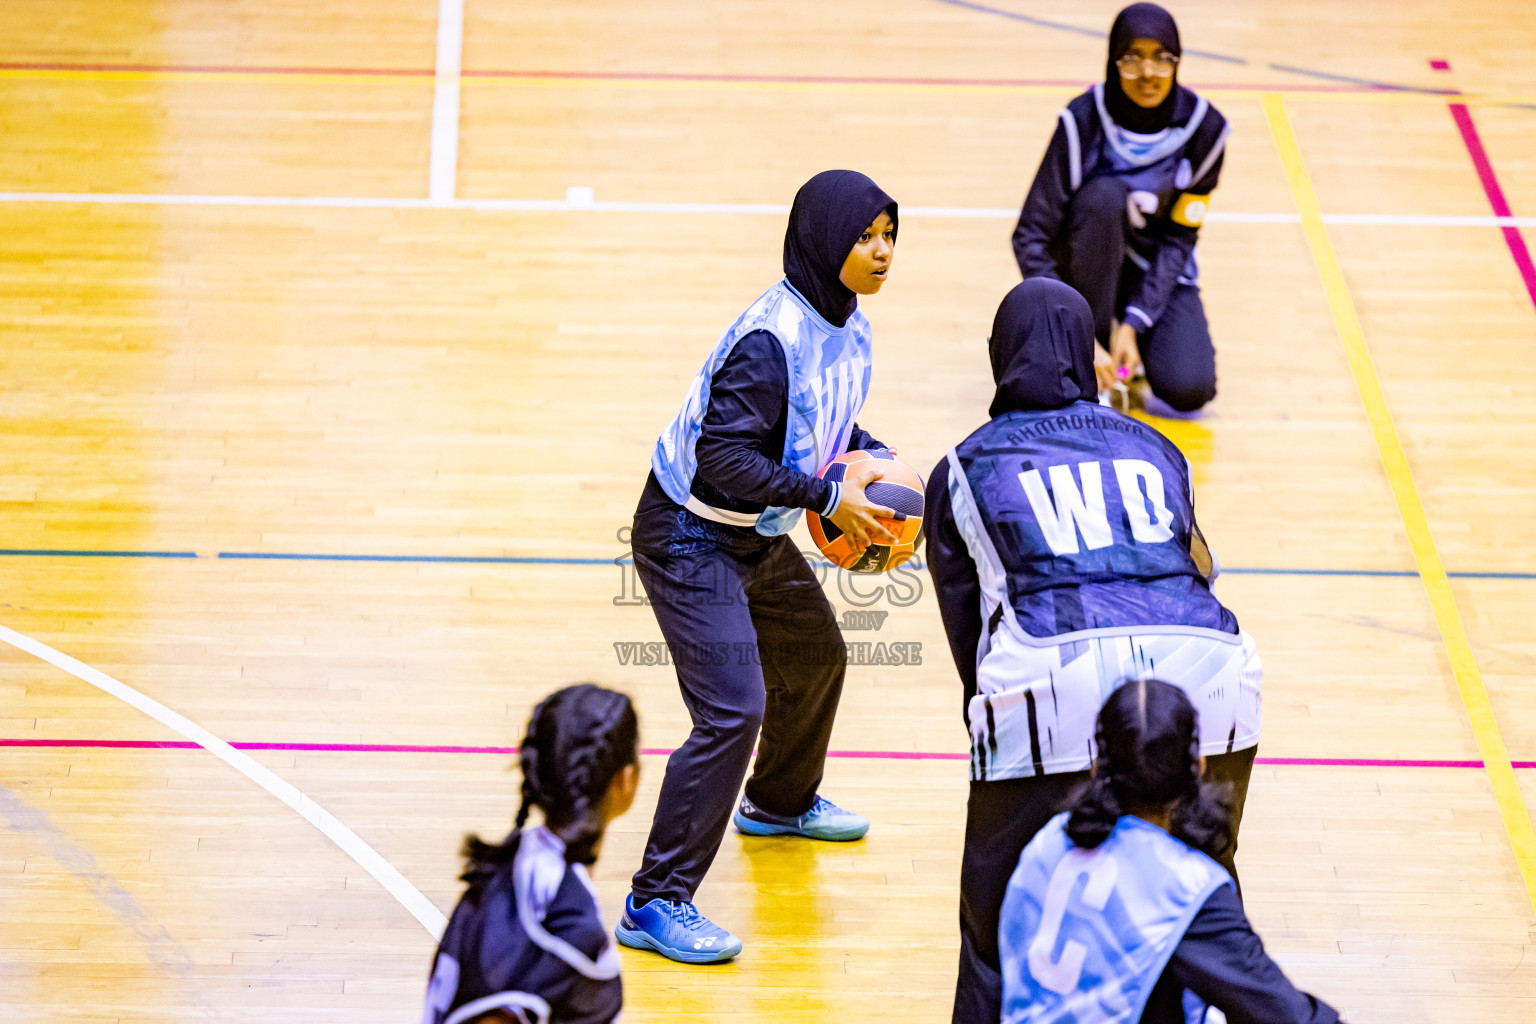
301	556
1352	80
1236	571
279	556
1061	26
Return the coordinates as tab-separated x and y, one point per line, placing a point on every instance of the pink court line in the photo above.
884	755
1512	237
640	76
219	69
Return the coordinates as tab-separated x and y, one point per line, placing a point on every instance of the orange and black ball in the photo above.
900	489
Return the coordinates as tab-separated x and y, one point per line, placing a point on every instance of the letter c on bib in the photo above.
1062	975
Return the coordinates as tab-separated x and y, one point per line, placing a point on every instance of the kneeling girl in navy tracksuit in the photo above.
526	944
1116	208
1117	911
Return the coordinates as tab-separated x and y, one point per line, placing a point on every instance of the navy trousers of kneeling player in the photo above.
757	648
1177	351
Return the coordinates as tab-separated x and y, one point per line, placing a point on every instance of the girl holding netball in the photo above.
753	637
525	944
1116	208
1065	557
1117	911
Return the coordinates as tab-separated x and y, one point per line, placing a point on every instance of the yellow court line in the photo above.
1490	744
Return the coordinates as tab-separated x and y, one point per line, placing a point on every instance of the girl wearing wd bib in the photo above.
752	635
1117	205
1117	913
1066	559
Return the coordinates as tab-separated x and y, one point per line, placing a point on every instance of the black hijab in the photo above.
1042	348
831	211
1140	21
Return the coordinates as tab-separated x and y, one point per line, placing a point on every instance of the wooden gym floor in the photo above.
323	403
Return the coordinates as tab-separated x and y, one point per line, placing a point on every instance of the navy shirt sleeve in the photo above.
955	581
861	441
572	918
1177	240
741	446
1044	208
1222	961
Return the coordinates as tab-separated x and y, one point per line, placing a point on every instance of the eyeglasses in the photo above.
1161	66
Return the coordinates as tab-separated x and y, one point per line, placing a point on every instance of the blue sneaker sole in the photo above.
750	827
634	938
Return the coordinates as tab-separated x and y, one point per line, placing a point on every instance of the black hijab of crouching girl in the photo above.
1140	21
1148	742
1041	348
578	740
830	212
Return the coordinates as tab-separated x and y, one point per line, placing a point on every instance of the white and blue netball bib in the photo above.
1155	166
1081	524
829	373
1082	496
1085	934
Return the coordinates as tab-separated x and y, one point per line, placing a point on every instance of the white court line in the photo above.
443	174
775	209
366	856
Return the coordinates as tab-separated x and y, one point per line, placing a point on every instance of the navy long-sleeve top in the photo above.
1165	245
740	449
955	581
1222	960
957	584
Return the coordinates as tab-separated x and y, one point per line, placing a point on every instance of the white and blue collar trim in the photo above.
1141	150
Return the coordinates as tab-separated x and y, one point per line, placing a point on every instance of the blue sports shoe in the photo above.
825	820
676	930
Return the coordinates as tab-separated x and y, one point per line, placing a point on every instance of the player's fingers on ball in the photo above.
876	529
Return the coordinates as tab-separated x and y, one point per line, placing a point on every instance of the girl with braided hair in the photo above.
526	943
1117	912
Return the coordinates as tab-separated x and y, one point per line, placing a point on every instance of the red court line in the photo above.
219	69
1512	237
888	755
643	76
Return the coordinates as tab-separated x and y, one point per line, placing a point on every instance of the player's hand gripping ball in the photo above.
899	489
